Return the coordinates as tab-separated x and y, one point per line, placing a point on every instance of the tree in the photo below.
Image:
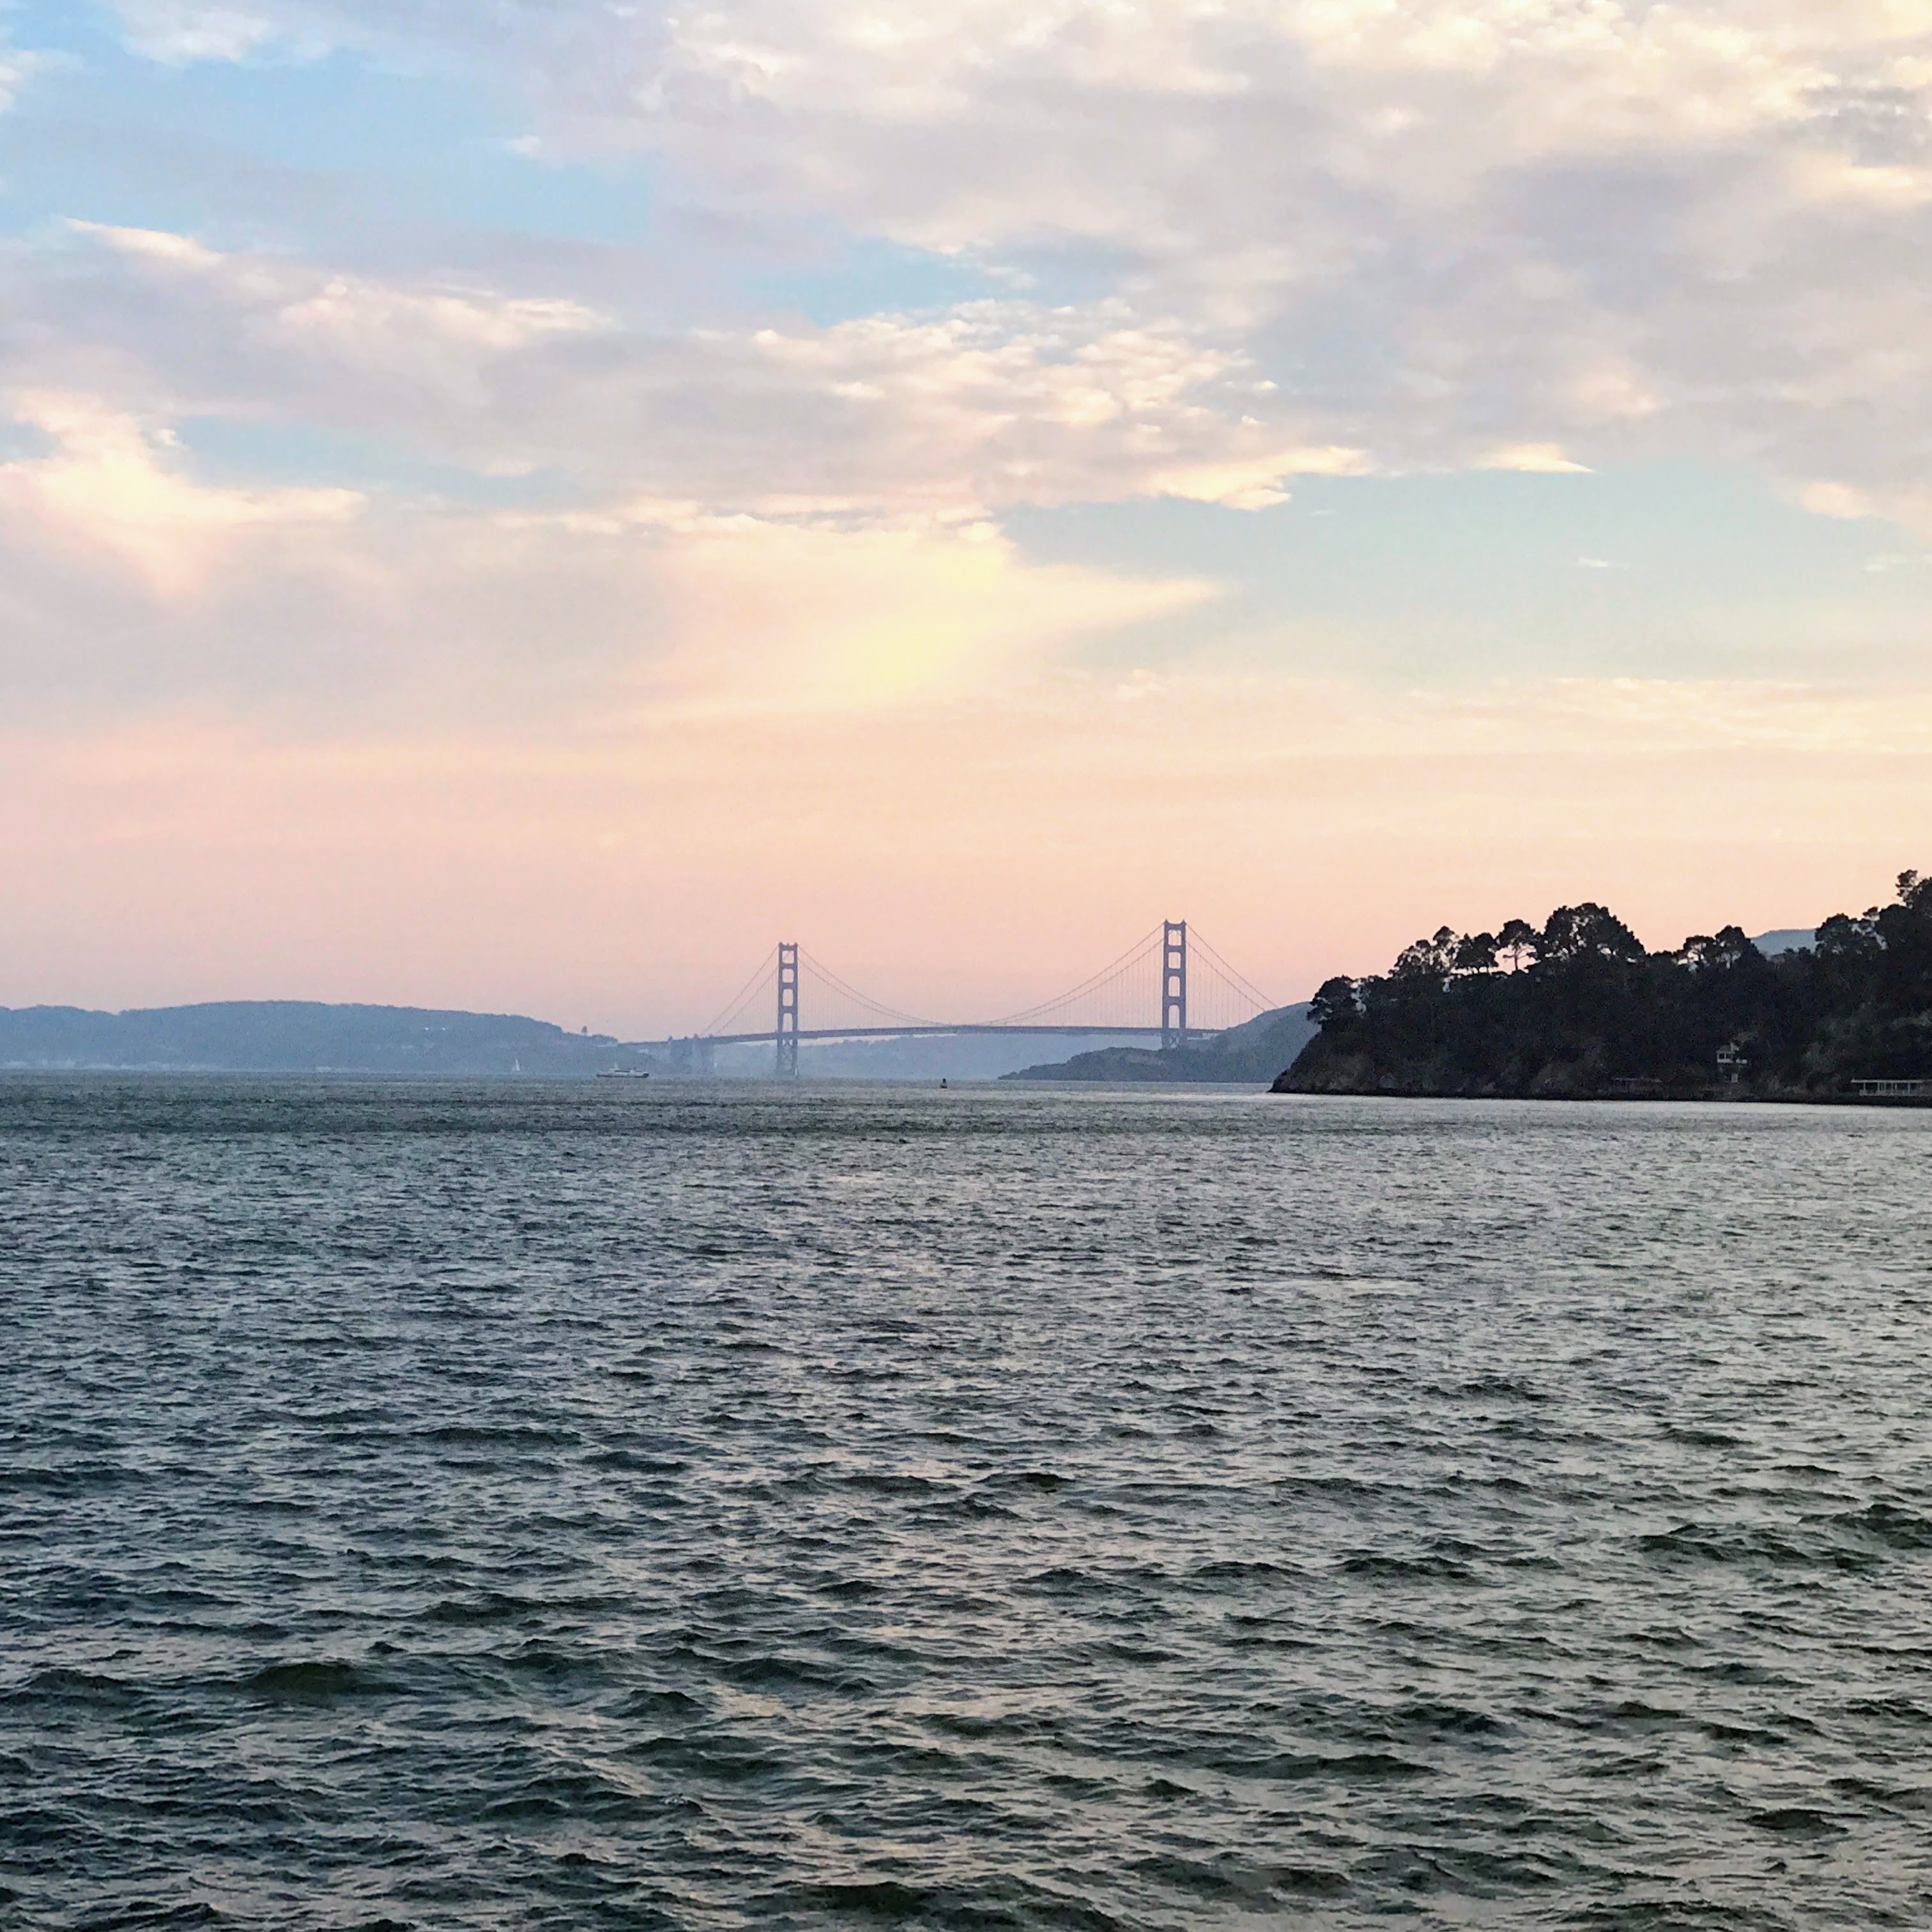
1847	941
1476	953
1905	930
1431	960
1697	953
1518	944
1335	1004
1730	948
1586	931
1597	1014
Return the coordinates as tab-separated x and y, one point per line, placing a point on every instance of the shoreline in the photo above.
1721	1097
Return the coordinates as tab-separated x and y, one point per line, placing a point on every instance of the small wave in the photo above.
518	1436
59	1684
1696	1438
884	1899
1707	1542
659	1704
1361	1767
492	1607
1232	1570
1886	1524
316	1677
1797	1821
691	1762
1428	1569
851	1589
1510	1388
634	1462
1446	1720
1229	1880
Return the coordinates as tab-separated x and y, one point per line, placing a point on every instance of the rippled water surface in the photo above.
533	1506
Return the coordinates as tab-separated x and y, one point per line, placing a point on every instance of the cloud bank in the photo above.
1444	230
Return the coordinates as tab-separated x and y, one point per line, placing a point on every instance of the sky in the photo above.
522	504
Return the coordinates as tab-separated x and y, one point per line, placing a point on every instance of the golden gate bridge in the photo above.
1169	985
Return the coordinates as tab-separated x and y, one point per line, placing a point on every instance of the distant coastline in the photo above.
1240	1056
302	1036
1578	1009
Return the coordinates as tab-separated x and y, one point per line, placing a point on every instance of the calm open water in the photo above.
523	1506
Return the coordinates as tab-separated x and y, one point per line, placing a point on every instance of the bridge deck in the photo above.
935	1030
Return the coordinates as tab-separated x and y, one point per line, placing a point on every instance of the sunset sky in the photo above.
520	504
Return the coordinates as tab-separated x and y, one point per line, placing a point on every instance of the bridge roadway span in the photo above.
932	1031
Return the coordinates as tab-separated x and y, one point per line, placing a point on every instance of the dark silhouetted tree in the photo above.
1584	1007
1517	944
1334	1004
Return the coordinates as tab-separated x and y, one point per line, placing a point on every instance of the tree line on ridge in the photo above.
1578	1006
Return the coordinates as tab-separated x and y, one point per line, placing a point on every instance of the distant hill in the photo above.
1790	939
302	1036
1256	1051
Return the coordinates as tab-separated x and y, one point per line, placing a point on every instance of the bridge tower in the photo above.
1173	983
786	1035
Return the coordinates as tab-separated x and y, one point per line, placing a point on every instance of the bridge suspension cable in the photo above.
1232	997
1135	993
863	1001
742	1001
1107	981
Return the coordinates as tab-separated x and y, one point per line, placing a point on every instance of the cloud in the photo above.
107	485
770	616
1910	509
294	603
1445	228
1540	459
953	413
17	66
177	31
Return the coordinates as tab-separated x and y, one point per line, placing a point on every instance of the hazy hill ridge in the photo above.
1579	1008
301	1037
1244	1054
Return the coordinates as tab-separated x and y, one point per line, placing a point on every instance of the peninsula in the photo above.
1578	1009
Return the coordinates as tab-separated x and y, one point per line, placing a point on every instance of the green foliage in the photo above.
1579	1006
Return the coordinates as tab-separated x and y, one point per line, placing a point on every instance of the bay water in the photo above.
525	1505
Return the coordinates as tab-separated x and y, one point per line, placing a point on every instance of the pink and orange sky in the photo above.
521	507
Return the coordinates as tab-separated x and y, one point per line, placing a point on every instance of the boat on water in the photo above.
622	1073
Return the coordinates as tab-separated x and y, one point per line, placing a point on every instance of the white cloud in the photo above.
988	405
107	485
1541	459
1446	227
776	615
293	600
177	32
17	66
1337	236
1252	483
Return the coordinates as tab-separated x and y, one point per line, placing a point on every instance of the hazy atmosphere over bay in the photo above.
520	507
